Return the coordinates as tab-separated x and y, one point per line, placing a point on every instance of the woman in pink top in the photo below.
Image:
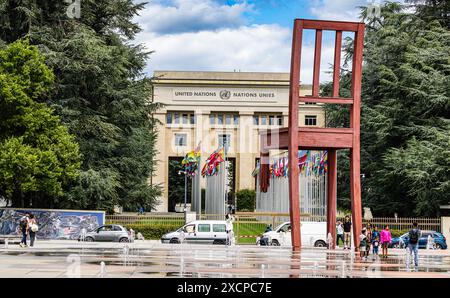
385	239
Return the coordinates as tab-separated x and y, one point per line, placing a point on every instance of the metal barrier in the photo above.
405	223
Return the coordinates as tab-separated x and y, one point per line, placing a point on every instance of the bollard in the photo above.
102	269
330	241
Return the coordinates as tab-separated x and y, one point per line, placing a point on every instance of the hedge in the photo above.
245	200
152	231
398	233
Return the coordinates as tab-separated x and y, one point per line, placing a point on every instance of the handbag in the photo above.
34	228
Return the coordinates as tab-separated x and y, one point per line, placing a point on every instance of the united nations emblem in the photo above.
225	94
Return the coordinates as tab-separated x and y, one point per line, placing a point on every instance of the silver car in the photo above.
112	233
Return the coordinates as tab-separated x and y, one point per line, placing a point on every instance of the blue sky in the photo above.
229	35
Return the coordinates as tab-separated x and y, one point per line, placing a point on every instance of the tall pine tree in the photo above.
405	118
101	94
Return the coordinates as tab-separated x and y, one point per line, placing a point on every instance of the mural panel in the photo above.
53	224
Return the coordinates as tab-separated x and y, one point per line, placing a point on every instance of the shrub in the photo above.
398	233
245	200
152	231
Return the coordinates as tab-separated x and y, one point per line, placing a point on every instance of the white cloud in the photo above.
338	10
262	48
343	10
204	35
177	16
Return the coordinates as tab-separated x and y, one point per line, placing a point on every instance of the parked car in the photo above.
312	234
439	240
112	233
199	231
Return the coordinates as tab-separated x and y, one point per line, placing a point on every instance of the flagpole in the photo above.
185	194
225	174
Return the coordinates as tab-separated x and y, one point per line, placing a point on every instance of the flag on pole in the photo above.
212	165
191	160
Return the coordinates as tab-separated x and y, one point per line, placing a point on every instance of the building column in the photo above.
332	195
160	176
245	151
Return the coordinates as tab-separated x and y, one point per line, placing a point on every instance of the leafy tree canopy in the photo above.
100	94
38	156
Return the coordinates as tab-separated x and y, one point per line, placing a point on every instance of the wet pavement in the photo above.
145	259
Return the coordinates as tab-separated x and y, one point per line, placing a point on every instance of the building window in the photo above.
228	119
271	119
263	120
235	119
169	118
255	120
180	118
224	139
180	139
185	118
280	120
310	120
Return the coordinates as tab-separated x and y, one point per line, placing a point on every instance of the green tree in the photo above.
431	10
177	184
245	200
38	156
405	127
101	94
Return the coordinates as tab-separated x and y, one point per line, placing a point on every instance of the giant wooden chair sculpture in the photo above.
294	137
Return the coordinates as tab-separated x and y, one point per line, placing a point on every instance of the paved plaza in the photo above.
153	259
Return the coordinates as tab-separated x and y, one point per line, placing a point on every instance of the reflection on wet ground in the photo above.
175	260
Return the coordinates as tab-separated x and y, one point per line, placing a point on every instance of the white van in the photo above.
312	233
200	231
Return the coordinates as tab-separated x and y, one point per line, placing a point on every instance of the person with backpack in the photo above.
375	241
23	224
33	228
363	244
413	246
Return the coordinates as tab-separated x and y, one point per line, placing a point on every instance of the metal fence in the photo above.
405	223
249	225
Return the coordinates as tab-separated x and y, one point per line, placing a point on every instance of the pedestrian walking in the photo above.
340	234
32	229
369	239
385	238
363	244
23	224
375	241
347	231
413	246
229	229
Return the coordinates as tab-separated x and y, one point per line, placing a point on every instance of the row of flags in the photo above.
191	162
309	163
